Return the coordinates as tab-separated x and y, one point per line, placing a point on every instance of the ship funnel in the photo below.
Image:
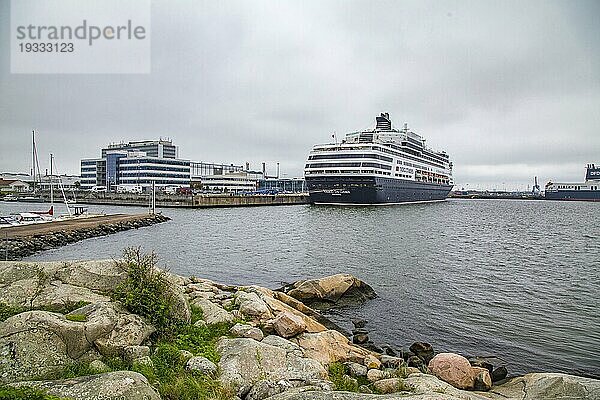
383	122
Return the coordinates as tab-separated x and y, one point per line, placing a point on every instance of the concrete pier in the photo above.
196	201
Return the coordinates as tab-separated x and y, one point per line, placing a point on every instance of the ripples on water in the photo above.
515	279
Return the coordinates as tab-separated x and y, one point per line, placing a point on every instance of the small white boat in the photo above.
27	218
8	220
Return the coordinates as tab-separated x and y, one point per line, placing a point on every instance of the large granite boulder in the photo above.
108	386
98	275
311	394
457	371
58	284
180	310
423	384
276	304
339	290
287	324
52	284
212	313
547	386
246	361
252	306
36	343
126	329
330	346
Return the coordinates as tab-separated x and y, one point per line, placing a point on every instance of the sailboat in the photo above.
37	179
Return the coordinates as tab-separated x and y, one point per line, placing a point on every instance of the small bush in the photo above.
146	290
24	393
337	375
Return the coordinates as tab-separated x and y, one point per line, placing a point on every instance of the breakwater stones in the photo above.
19	246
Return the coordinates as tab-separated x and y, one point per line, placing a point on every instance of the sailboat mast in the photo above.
33	157
51	185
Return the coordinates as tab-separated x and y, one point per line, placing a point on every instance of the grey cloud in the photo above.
508	89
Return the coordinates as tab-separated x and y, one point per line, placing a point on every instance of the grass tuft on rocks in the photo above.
145	291
76	317
197	313
201	340
339	378
7	310
24	393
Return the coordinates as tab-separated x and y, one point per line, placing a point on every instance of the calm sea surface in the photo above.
516	279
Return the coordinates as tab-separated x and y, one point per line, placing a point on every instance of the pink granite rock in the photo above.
457	371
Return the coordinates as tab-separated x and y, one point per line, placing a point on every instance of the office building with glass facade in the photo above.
128	164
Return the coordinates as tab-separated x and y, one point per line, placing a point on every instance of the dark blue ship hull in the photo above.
372	190
581	195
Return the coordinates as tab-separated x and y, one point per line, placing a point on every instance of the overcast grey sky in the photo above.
510	89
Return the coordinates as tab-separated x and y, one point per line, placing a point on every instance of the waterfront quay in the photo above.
24	240
198	200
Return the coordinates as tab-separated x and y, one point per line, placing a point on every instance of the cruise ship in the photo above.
587	191
378	166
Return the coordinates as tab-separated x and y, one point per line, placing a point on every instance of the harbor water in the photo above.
519	280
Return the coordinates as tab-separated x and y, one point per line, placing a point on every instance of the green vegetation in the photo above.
24	393
338	375
76	317
201	340
197	313
7	311
403	387
69	371
146	290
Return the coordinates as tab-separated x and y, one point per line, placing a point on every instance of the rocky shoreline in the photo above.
230	342
17	247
